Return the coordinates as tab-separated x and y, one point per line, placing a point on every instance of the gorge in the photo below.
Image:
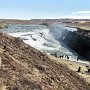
56	39
79	41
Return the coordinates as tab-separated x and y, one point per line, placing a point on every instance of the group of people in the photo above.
61	56
64	56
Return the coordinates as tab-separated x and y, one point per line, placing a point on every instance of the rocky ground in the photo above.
3	25
74	65
25	68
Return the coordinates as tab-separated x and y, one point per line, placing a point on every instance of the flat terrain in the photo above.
81	23
84	25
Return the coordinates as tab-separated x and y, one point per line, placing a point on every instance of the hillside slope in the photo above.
25	68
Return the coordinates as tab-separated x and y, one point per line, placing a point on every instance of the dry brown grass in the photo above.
3	25
25	68
73	65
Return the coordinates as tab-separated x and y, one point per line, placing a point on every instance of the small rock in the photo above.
0	61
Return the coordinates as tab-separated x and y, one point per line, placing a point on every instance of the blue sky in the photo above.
31	9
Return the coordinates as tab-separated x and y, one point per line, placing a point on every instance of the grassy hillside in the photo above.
25	68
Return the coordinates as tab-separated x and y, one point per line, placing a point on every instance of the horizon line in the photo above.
62	17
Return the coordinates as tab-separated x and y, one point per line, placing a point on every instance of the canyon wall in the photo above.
78	40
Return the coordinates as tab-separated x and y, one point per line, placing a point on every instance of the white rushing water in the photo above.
43	38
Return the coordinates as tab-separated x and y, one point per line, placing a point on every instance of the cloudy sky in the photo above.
34	9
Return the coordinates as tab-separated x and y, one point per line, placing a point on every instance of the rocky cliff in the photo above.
25	68
79	41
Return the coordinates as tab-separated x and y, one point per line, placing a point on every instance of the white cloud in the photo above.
81	12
